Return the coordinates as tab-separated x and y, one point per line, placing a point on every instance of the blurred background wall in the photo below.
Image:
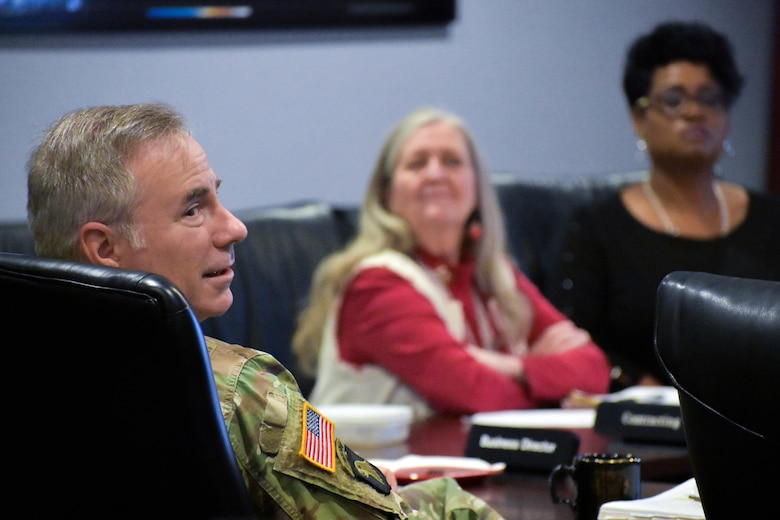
286	115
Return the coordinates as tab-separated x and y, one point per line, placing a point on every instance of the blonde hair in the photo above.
379	229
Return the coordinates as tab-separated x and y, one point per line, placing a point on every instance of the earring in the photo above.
641	151
728	149
475	231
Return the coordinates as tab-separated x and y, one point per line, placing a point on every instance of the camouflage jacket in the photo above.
265	415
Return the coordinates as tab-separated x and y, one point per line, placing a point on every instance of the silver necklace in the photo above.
669	227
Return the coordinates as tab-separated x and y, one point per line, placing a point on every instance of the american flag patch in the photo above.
318	444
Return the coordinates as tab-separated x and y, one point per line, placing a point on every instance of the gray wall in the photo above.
290	115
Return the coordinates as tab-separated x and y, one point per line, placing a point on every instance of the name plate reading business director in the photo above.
528	439
522	448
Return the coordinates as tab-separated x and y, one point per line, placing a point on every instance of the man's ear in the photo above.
98	243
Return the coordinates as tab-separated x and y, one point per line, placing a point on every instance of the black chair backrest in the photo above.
718	339
112	407
537	210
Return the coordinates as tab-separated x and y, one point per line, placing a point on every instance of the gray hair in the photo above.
78	173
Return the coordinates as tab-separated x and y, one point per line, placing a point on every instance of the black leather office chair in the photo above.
110	404
718	338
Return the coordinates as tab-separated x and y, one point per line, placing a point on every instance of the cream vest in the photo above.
341	382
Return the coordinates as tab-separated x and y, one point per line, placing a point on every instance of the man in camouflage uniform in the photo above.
127	186
282	482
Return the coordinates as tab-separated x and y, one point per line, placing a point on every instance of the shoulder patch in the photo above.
318	441
343	453
360	468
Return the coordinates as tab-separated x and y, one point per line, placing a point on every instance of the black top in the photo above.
612	264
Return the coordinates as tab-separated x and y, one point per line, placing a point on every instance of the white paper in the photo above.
435	461
544	418
665	395
677	503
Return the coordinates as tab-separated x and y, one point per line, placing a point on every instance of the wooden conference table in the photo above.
526	495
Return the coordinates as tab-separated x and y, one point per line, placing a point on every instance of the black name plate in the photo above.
641	422
522	448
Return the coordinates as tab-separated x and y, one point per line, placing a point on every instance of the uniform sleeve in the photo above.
266	429
550	378
267	423
385	321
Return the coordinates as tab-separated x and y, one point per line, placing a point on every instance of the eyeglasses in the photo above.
674	102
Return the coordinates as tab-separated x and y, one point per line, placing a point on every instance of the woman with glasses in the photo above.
680	81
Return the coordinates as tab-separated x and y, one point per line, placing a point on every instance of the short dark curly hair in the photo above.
680	41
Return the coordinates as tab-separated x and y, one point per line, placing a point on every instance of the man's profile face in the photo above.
187	234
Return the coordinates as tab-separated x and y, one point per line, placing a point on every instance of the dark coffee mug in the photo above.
598	478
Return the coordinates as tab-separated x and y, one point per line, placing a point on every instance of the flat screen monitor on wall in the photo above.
42	16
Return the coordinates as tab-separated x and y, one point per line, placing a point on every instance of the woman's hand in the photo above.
580	399
558	338
507	364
